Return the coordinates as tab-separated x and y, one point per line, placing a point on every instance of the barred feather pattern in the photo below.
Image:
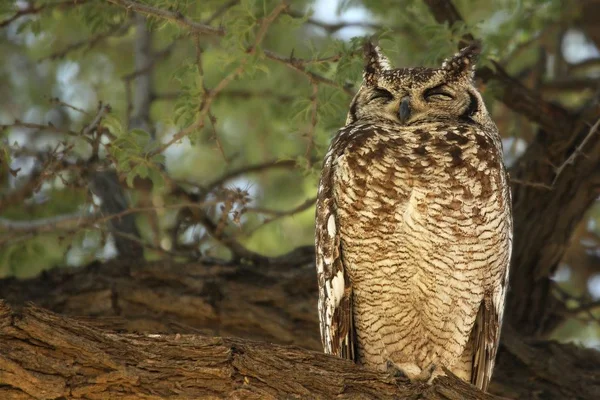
413	242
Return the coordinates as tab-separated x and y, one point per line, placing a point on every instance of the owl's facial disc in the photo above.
431	101
409	96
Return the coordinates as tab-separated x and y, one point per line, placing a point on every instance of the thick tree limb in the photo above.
46	356
273	304
560	371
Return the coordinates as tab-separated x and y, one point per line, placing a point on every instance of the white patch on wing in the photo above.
331	230
320	265
337	286
326	327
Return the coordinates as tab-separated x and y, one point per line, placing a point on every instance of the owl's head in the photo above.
412	96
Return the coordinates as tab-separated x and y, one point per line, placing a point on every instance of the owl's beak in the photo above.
404	112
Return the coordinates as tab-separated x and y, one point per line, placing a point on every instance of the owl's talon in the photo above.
426	374
394	371
405	371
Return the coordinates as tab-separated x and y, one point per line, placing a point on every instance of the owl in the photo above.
414	224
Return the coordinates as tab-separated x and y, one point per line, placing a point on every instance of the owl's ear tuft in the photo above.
462	64
375	62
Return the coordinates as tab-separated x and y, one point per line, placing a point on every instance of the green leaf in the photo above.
5	155
113	124
141	170
158	181
130	178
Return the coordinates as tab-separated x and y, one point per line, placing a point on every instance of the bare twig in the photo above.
578	151
103	109
585	305
215	137
154	247
176	17
248	169
145	64
587	308
81	220
264	26
238	251
52	165
33	9
574	84
277	214
25	11
245	94
539	185
221	10
199	51
22	192
49	127
88	42
56	100
591	63
49	224
299	66
333	28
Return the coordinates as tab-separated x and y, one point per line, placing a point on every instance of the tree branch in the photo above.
42	355
553	118
247	169
171	304
47	127
299	65
333	28
88	43
32	10
176	17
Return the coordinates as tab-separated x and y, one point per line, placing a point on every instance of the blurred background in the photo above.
87	86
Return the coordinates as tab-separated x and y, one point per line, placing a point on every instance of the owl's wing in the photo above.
488	323
335	290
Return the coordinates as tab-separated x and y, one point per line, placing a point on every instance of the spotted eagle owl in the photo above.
413	224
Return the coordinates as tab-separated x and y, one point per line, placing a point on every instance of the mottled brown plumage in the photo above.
413	224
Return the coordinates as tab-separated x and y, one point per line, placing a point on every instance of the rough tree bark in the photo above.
271	304
43	355
275	303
